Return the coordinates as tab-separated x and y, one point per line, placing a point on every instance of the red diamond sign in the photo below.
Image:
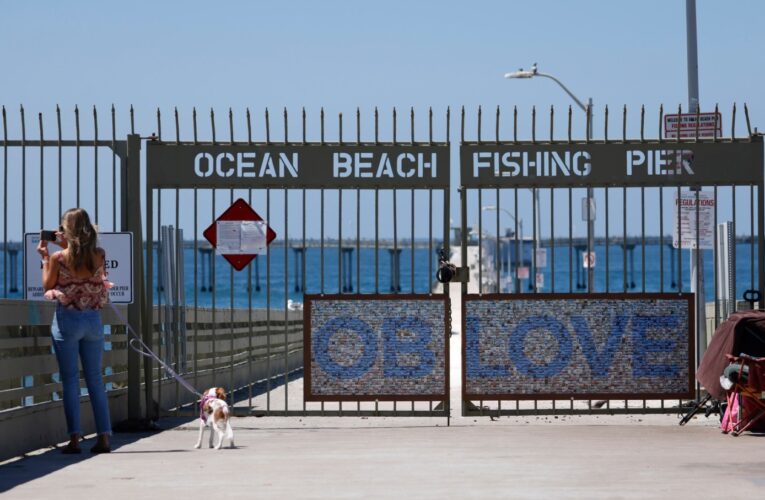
240	211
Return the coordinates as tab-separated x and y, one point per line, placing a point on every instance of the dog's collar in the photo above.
202	403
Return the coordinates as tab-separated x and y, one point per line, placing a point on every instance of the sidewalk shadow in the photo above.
32	467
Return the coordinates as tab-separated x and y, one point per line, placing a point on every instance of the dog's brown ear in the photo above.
220	393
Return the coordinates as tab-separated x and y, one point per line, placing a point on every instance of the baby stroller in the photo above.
744	378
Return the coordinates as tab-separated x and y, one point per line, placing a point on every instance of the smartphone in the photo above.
48	235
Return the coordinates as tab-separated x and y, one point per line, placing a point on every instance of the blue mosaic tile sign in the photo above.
580	346
376	347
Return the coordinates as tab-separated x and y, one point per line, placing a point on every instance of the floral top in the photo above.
80	293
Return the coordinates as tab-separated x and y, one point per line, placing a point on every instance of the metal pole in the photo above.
131	221
697	263
590	215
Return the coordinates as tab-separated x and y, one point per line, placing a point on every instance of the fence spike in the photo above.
194	122
321	125
733	123
696	127
624	124
462	124
552	123
394	124
515	123
496	126
605	123
430	125
159	126
268	129
748	123
248	117
340	127
304	123
358	125
231	125
411	124
480	124
642	123
661	121
286	126
177	126
570	121
212	124
377	126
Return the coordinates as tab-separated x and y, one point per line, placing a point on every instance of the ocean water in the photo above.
230	287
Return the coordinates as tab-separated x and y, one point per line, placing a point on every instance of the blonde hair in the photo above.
81	237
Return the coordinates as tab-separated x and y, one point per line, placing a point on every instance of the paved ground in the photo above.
630	456
568	457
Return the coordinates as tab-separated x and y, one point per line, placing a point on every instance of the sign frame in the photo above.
689	297
307	351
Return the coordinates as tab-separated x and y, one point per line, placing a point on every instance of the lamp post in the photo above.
590	205
518	236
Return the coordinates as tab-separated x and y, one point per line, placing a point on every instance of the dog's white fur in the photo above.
217	418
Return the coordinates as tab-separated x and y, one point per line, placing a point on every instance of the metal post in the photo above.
697	263
131	221
590	213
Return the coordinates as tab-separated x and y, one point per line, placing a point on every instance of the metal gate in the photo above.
74	159
562	262
348	224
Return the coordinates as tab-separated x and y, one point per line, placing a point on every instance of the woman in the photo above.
76	279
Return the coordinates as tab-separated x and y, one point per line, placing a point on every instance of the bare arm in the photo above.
50	270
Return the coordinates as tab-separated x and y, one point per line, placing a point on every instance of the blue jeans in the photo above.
81	332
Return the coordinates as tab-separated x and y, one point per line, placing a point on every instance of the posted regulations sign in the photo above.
118	265
688	204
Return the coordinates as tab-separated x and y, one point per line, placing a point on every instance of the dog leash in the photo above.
146	351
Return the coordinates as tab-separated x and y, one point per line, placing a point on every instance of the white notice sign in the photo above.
706	217
119	265
240	237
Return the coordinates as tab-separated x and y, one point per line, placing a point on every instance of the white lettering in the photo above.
364	164
400	163
384	168
219	165
198	165
245	164
290	164
426	165
267	166
341	164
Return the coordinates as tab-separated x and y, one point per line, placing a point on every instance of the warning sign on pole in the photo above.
239	234
687	219
588	260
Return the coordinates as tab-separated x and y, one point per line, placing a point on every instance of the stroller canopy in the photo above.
743	332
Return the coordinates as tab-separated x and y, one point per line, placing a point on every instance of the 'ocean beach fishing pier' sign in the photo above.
376	347
616	346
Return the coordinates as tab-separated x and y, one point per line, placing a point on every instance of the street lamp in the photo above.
518	237
521	73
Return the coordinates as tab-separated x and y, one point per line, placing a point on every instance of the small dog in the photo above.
213	411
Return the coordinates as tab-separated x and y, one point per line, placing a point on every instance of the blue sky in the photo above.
341	55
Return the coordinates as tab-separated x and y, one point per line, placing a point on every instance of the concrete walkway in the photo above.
567	457
587	456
